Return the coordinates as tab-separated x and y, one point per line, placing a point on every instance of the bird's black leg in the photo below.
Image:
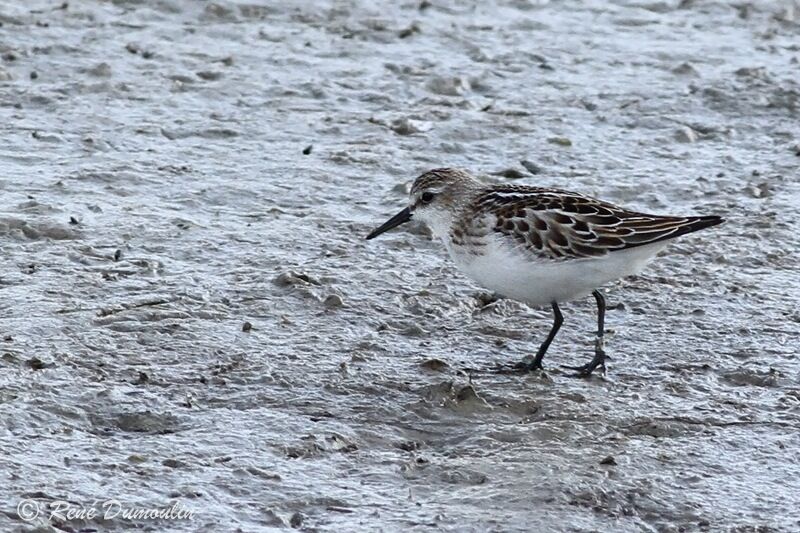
558	319
599	358
601	313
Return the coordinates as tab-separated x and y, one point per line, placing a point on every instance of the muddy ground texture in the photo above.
189	311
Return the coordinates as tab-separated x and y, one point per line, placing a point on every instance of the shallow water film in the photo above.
191	319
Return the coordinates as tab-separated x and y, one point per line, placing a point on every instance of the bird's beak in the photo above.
400	218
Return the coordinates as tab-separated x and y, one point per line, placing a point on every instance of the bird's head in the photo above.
435	198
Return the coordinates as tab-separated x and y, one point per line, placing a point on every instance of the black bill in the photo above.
400	218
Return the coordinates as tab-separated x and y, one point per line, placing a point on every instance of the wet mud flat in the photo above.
189	313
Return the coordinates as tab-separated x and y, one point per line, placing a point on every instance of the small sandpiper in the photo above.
538	245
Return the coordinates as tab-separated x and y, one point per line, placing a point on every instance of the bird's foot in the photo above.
522	367
584	371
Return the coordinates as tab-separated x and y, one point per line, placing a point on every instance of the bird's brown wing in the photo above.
560	224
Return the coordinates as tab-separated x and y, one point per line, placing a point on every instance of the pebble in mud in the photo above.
410	445
100	70
560	141
761	190
531	167
312	446
510	173
436	365
296	521
174	463
407	126
135	48
402	188
460	398
36	364
686	134
293	278
485	299
464	476
408	32
209	75
448	86
685	69
333	301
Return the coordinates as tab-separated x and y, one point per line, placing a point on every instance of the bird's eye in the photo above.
427	197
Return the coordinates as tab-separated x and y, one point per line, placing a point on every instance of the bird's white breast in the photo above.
520	275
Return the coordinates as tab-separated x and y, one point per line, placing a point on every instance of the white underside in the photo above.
516	274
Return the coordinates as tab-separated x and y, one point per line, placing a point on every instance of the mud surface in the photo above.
189	312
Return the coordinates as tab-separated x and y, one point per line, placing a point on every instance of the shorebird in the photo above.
538	245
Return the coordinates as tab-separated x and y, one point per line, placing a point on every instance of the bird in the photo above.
538	245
